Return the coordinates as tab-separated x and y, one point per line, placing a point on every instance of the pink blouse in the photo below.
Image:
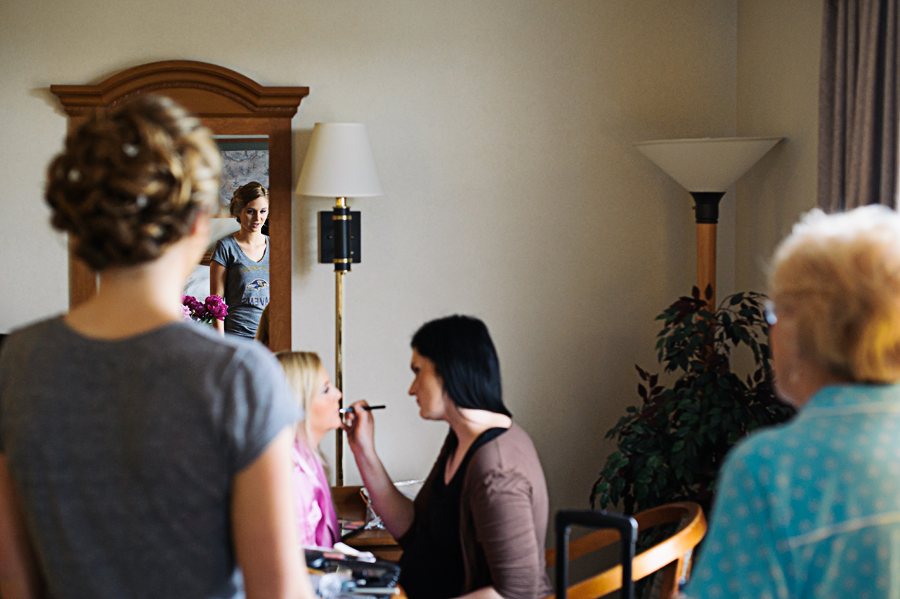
317	523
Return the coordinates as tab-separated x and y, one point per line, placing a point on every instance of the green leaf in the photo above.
689	418
670	445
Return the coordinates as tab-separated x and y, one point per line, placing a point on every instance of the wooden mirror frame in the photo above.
228	104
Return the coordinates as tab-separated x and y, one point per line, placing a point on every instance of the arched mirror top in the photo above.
230	104
206	89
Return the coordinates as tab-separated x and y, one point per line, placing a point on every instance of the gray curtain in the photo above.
858	112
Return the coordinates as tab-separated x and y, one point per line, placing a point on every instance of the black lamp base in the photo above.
706	206
326	237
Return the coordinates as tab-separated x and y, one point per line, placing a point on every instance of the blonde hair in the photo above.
838	276
262	329
244	195
302	371
131	182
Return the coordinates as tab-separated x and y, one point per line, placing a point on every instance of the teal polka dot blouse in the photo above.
810	508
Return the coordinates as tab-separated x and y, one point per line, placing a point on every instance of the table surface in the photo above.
372	537
379	542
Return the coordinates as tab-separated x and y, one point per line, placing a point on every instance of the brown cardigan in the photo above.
503	517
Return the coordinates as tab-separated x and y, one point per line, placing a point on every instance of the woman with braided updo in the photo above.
239	270
142	455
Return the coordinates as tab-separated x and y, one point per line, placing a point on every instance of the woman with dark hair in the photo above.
477	527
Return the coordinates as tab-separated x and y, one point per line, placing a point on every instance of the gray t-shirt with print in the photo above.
124	452
246	286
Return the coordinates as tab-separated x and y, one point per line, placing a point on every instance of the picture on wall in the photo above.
243	161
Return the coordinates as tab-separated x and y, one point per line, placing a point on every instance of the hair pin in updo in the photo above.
130	150
141	201
74	175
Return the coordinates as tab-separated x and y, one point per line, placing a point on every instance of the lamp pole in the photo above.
342	263
706	211
339	164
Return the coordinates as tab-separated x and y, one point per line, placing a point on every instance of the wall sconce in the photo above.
339	164
707	168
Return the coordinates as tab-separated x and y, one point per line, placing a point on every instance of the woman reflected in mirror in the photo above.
239	269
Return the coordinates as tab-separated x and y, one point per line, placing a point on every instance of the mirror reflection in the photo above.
236	263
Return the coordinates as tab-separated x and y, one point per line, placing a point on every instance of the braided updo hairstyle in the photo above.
245	194
130	183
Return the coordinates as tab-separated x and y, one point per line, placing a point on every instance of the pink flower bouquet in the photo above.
214	308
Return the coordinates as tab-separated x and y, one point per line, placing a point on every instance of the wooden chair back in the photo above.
673	554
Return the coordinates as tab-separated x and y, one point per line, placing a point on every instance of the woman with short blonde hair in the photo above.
809	508
839	279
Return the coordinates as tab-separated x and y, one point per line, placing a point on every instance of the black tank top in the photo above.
432	565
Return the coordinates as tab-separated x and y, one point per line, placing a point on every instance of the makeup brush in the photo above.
366	408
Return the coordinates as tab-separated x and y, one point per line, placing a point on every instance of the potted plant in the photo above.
671	446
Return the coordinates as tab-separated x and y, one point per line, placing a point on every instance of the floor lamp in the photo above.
707	168
339	164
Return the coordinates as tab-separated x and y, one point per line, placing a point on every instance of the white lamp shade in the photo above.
339	163
707	164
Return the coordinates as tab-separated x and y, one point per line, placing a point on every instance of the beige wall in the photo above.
777	94
503	133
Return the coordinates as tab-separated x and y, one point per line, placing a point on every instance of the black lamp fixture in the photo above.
339	164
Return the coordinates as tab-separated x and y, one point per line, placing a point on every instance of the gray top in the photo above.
124	452
246	286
